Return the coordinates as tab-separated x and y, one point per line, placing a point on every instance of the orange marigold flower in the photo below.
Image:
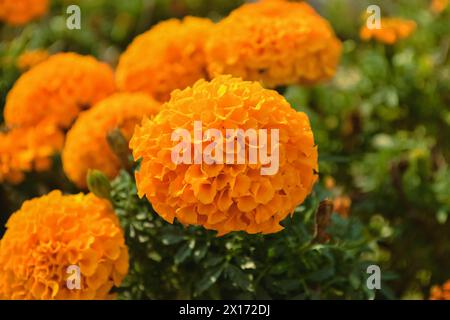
441	292
27	149
86	144
437	6
329	182
29	59
57	89
226	197
342	205
19	12
392	30
276	42
54	232
169	56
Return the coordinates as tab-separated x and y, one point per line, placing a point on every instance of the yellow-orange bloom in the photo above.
29	59
169	56
56	90
392	30
437	6
86	143
342	205
276	42
441	292
18	12
54	232
26	149
226	197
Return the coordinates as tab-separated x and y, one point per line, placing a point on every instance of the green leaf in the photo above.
240	278
322	274
200	252
209	279
184	252
213	260
172	238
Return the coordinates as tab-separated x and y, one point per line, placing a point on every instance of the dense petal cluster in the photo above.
169	56
231	196
29	59
57	89
18	12
86	144
276	42
441	292
27	149
391	31
51	233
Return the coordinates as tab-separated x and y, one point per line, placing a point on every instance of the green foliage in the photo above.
173	261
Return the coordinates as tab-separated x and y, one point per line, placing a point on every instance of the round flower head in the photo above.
57	89
226	194
391	31
169	56
62	247
441	292
27	149
275	42
86	142
18	12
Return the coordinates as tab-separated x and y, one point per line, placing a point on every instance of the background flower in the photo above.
169	56
86	144
392	30
276	42
29	59
26	149
440	292
56	90
18	12
51	233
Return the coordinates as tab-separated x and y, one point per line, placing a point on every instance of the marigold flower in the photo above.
169	56
57	89
19	12
54	232
276	42
86	144
392	30
226	197
437	6
27	149
329	182
441	292
342	205
29	59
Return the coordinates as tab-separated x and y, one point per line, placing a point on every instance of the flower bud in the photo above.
98	184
